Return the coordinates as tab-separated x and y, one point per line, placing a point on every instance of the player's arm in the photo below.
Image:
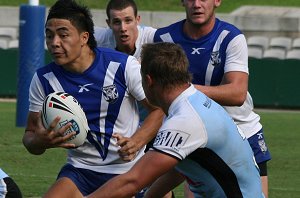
232	91
37	139
152	165
164	184
144	134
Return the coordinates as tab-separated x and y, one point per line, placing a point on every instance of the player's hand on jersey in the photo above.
129	149
51	138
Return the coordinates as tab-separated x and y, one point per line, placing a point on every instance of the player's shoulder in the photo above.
146	29
223	25
104	51
172	27
114	55
47	68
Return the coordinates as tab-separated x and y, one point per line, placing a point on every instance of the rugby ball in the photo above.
68	108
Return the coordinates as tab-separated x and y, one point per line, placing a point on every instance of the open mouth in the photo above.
124	37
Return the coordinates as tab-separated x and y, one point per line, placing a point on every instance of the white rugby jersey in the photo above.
223	50
203	137
107	91
105	38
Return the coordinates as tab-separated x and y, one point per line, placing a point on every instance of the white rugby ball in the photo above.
68	108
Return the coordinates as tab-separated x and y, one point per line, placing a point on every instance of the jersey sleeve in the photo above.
237	55
180	140
36	94
134	79
147	34
104	37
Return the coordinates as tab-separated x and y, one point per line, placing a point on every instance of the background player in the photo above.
218	59
124	33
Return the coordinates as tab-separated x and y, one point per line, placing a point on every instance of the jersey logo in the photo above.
215	58
110	93
263	146
172	139
83	87
197	50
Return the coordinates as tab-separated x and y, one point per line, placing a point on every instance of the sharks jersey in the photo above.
107	91
223	50
105	38
203	137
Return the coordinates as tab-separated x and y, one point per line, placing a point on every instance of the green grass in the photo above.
167	5
34	174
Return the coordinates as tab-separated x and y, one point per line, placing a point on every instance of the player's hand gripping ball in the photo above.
67	107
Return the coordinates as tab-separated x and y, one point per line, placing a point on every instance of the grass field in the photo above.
34	174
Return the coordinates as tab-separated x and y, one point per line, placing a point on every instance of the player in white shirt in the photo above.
218	58
107	84
198	139
124	33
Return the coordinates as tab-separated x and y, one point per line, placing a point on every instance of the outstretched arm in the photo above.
152	165
164	184
231	92
144	134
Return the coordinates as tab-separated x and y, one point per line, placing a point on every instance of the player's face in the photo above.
200	12
124	26
64	42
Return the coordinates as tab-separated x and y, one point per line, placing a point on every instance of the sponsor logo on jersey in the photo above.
172	139
215	58
197	50
207	103
84	87
110	93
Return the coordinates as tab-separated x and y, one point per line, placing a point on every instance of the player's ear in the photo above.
107	22
217	3
138	19
149	80
84	37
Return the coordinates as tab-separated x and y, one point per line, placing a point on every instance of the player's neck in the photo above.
170	94
196	31
83	62
126	49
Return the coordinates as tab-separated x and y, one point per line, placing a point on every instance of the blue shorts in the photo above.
259	147
87	181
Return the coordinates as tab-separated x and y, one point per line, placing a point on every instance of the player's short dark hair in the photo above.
120	5
79	16
166	63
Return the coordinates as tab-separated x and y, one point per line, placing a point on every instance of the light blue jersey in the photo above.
222	50
107	91
215	157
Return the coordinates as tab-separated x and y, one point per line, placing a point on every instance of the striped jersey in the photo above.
107	91
223	50
203	137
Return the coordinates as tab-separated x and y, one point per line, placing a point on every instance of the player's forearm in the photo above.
149	128
120	186
226	95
